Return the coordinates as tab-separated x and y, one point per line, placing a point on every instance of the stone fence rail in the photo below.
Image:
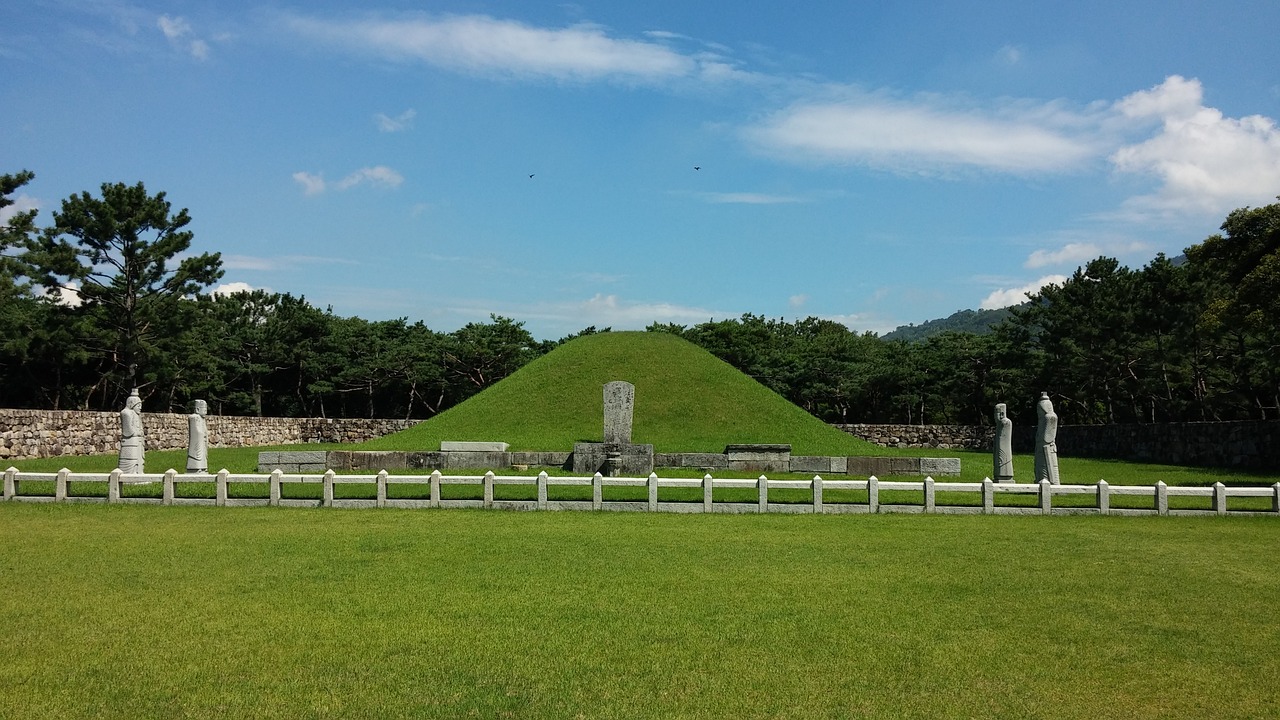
986	497
47	433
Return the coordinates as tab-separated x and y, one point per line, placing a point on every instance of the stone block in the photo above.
863	466
759	457
709	461
590	458
459	446
461	460
940	467
541	459
839	465
811	463
427	460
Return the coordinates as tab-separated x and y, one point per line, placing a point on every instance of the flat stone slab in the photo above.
460	446
912	466
758	448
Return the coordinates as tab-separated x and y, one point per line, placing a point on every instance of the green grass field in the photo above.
126	612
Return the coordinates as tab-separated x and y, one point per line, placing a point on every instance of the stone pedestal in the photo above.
759	457
612	459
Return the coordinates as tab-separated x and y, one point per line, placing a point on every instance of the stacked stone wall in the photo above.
28	434
955	437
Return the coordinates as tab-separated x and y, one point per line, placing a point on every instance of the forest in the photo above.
1188	339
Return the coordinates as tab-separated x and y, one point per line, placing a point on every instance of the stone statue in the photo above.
1046	440
132	443
1002	448
198	439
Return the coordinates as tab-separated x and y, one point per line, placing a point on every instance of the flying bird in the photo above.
695	167
531	174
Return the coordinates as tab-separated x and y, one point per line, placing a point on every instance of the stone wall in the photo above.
956	437
46	433
1243	445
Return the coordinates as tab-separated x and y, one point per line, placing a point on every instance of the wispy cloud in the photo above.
1204	162
181	35
267	264
21	204
232	288
400	122
746	198
1006	297
487	45
795	302
311	184
1077	252
378	175
926	134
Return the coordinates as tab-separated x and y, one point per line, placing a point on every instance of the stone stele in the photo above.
619	404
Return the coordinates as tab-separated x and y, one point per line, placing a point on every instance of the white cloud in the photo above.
381	175
311	184
600	310
174	28
1010	54
925	134
21	204
1016	296
865	322
403	121
232	288
179	33
1076	252
267	264
67	294
797	301
482	44
1205	162
744	198
376	175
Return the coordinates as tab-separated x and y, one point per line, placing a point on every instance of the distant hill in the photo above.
978	322
687	400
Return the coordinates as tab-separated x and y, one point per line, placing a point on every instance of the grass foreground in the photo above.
123	612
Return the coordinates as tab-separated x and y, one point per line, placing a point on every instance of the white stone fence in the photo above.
66	482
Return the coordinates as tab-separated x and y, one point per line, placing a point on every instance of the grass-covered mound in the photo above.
687	400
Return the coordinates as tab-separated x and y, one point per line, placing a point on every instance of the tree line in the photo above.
108	298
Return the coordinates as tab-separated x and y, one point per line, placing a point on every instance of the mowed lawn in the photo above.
129	611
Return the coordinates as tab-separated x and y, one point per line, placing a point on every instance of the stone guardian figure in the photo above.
1003	447
1046	440
198	439
132	442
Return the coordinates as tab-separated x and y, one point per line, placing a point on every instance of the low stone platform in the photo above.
640	462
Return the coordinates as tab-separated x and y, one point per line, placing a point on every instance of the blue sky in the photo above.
873	163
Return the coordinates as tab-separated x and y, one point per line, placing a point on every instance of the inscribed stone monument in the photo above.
1046	440
617	455
198	439
619	405
132	443
1002	448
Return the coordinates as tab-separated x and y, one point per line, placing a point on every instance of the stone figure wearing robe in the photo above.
198	439
1046	440
1003	447
132	443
